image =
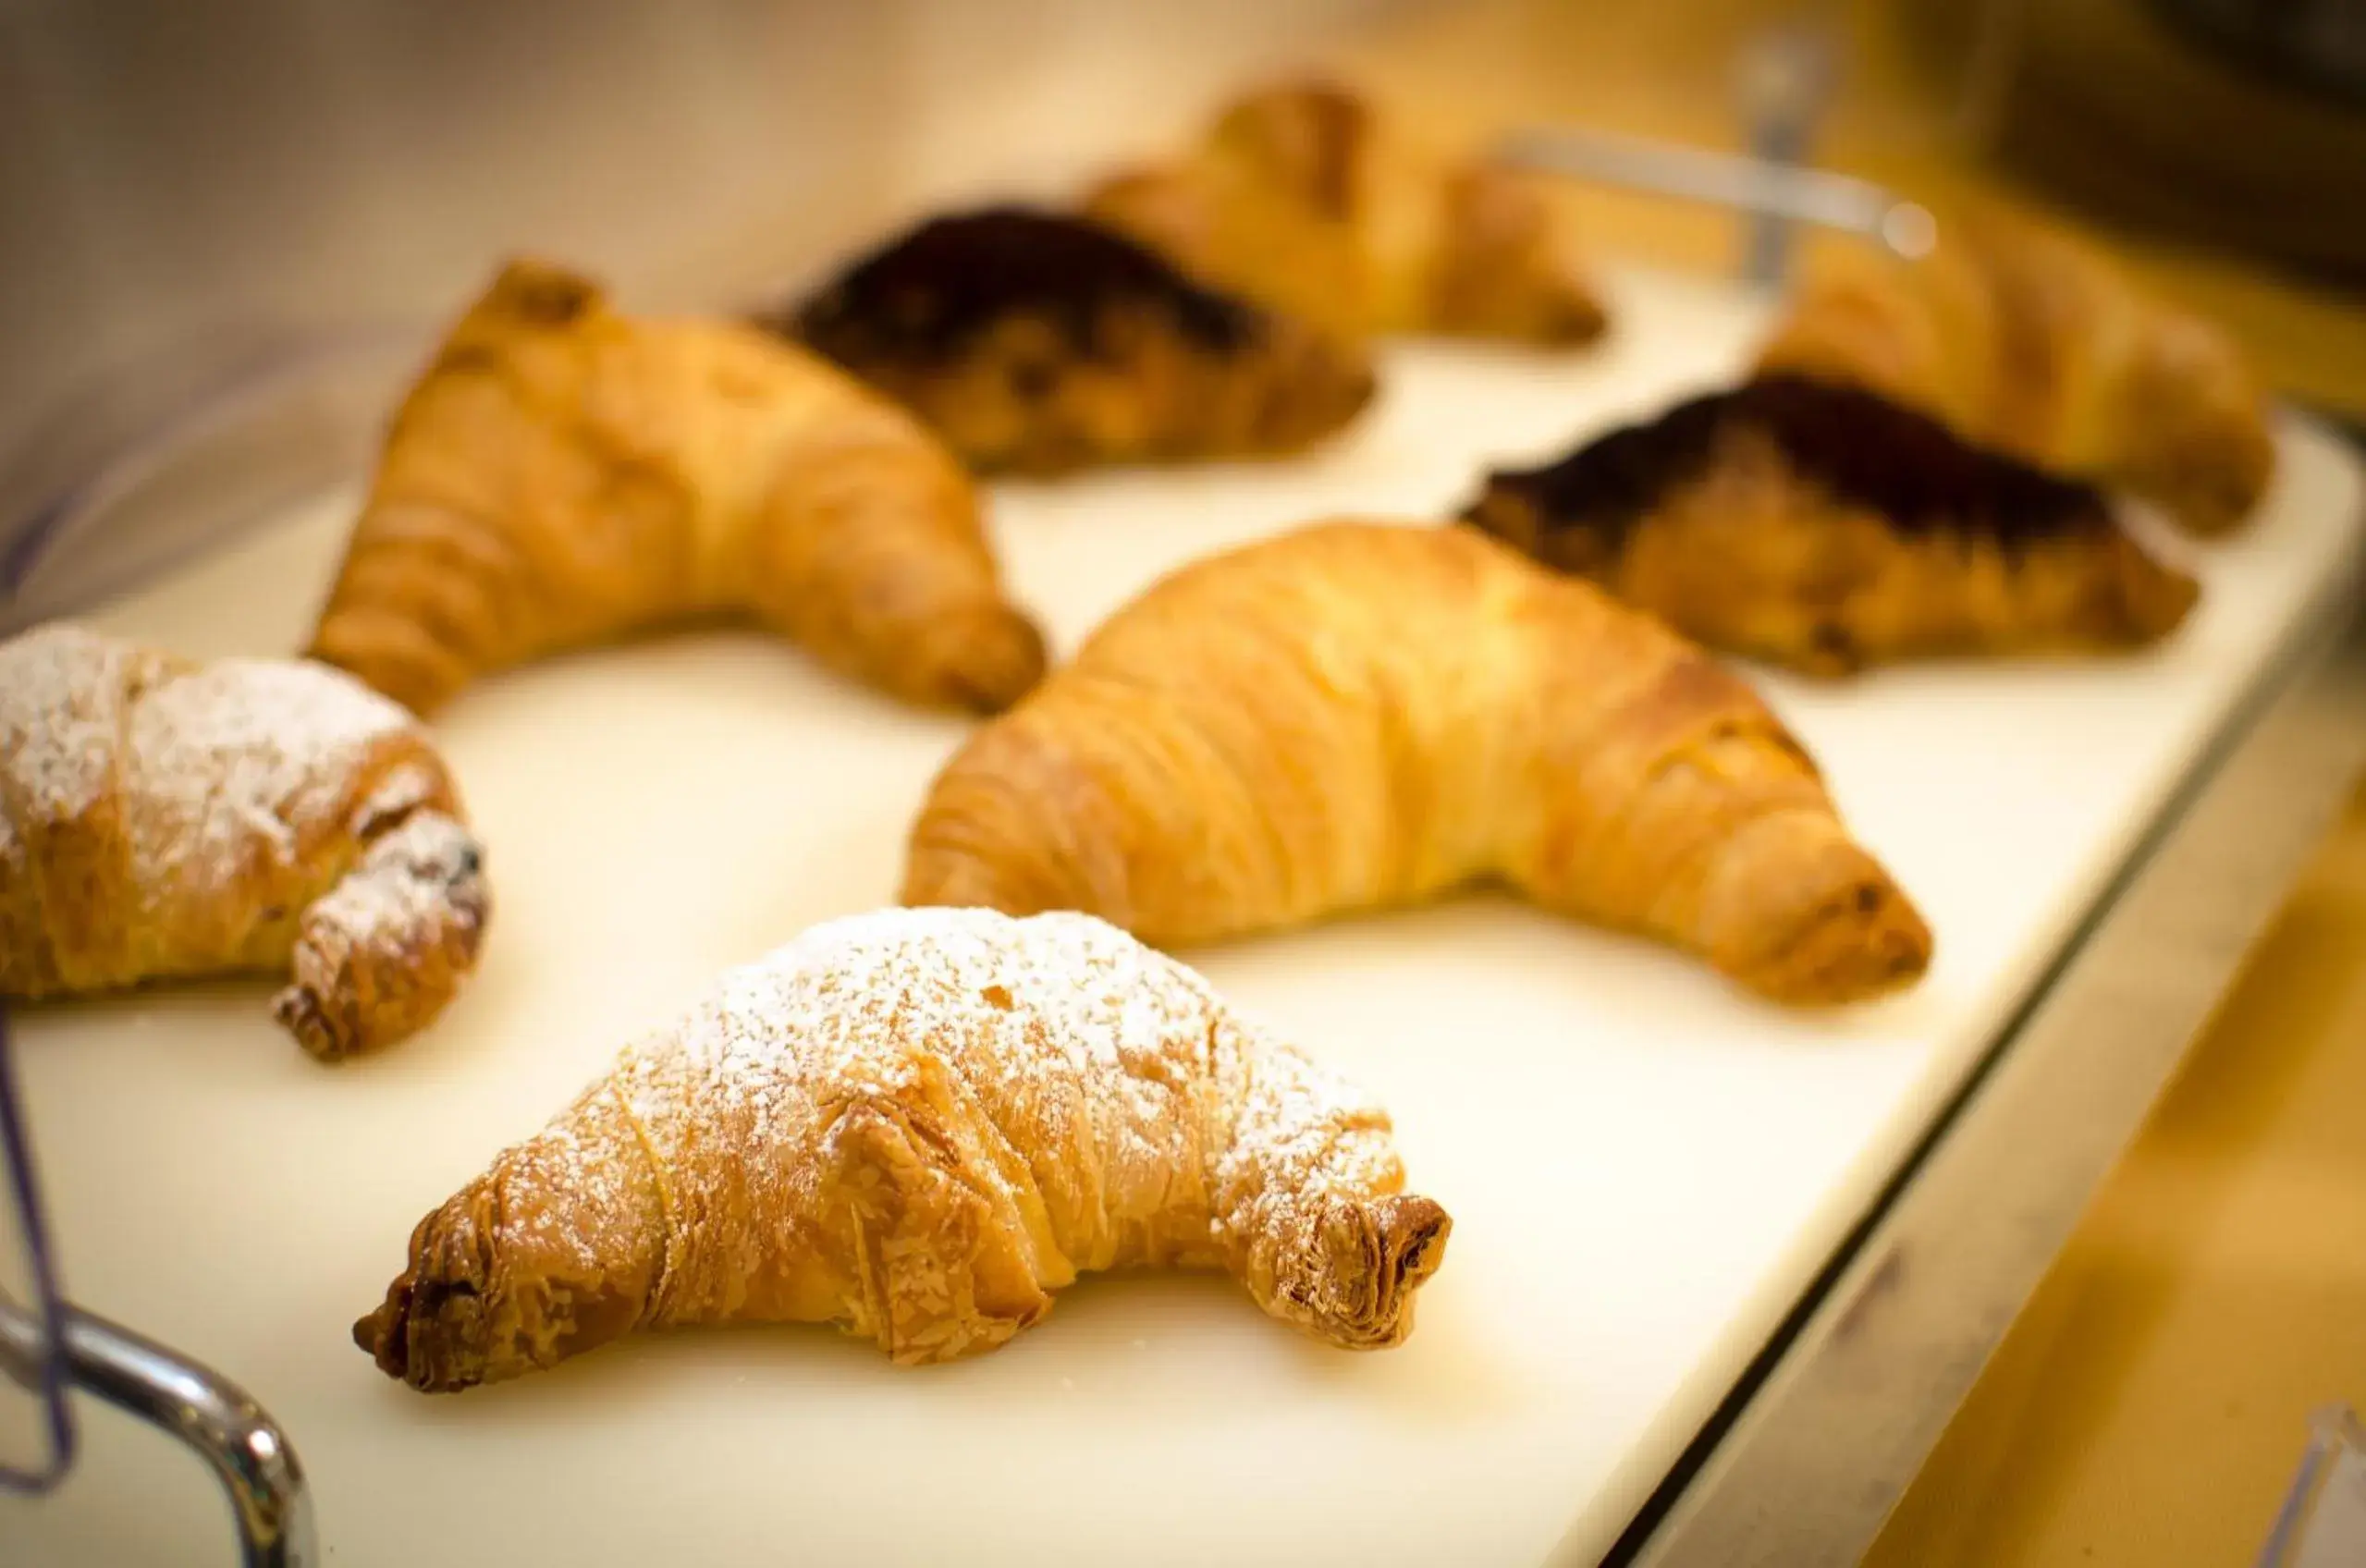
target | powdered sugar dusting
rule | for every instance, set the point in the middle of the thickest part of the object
(1069, 1038)
(404, 884)
(63, 690)
(192, 813)
(1079, 1074)
(919, 1124)
(228, 757)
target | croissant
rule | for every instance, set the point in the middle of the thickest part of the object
(1361, 715)
(1039, 343)
(2024, 338)
(163, 819)
(1301, 195)
(918, 1125)
(565, 475)
(1825, 528)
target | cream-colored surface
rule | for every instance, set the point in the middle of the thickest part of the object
(1642, 1164)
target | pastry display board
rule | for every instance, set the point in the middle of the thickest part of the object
(1644, 1165)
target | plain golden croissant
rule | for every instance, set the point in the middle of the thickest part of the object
(2023, 338)
(1362, 714)
(566, 475)
(1827, 528)
(160, 818)
(918, 1125)
(1303, 196)
(1038, 343)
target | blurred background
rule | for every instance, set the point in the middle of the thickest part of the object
(168, 169)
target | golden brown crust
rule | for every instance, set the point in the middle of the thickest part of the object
(565, 475)
(1304, 197)
(1038, 343)
(1360, 715)
(161, 819)
(920, 1125)
(1825, 528)
(2021, 338)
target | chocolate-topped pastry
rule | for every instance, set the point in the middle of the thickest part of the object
(1825, 527)
(1039, 343)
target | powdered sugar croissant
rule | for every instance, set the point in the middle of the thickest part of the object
(565, 474)
(919, 1126)
(1361, 715)
(163, 819)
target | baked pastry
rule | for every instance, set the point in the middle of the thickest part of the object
(1360, 715)
(1037, 343)
(1303, 196)
(1826, 528)
(2023, 338)
(163, 819)
(566, 475)
(918, 1126)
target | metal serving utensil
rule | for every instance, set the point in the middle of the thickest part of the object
(1785, 79)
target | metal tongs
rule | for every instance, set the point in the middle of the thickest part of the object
(1786, 78)
(51, 1348)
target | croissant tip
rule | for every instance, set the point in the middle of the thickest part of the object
(1864, 941)
(1003, 660)
(378, 1333)
(297, 1010)
(1420, 1227)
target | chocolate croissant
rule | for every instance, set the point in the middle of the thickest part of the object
(1305, 197)
(918, 1126)
(566, 475)
(1037, 343)
(2022, 338)
(161, 819)
(1826, 528)
(1359, 715)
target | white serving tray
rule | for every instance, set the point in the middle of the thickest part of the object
(1644, 1165)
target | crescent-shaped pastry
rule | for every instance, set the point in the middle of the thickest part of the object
(1303, 195)
(2021, 337)
(1038, 343)
(919, 1125)
(1360, 715)
(1826, 528)
(565, 475)
(163, 819)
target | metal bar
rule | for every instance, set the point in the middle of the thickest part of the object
(1786, 78)
(214, 1417)
(30, 1352)
(1750, 185)
(1807, 1459)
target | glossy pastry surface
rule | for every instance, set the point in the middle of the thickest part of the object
(1362, 714)
(565, 474)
